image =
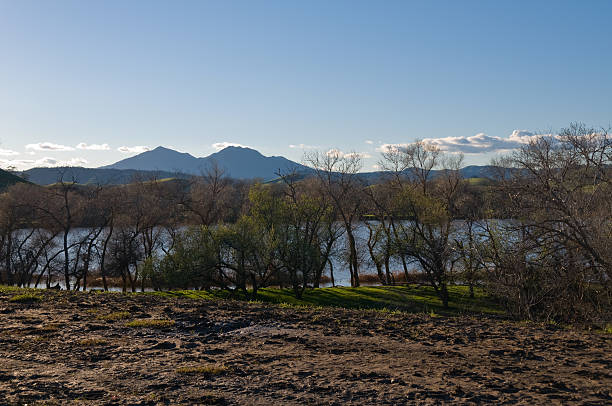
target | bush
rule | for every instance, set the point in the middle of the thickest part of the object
(26, 298)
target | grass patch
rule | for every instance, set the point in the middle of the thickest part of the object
(115, 316)
(410, 299)
(51, 327)
(151, 323)
(206, 370)
(92, 342)
(26, 298)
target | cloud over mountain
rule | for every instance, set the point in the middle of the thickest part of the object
(222, 145)
(334, 152)
(475, 144)
(302, 146)
(137, 149)
(482, 143)
(8, 152)
(93, 147)
(48, 146)
(46, 162)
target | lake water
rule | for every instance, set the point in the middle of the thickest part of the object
(340, 266)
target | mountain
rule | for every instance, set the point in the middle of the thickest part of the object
(93, 176)
(161, 163)
(8, 179)
(237, 162)
(160, 159)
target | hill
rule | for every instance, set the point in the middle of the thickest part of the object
(8, 179)
(94, 176)
(238, 163)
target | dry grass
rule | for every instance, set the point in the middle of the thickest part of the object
(92, 342)
(115, 316)
(151, 323)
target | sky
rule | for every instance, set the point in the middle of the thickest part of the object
(88, 83)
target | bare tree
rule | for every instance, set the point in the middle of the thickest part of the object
(338, 179)
(428, 203)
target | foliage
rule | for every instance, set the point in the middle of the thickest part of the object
(26, 298)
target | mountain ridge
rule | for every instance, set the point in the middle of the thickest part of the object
(237, 162)
(162, 162)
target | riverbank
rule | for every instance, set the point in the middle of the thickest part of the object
(64, 347)
(407, 298)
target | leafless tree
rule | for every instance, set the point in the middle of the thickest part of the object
(338, 179)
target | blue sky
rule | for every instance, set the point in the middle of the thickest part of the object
(82, 80)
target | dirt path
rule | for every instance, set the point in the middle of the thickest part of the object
(68, 348)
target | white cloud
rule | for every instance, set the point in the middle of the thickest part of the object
(369, 142)
(48, 146)
(52, 162)
(137, 149)
(8, 152)
(482, 143)
(362, 155)
(221, 145)
(302, 146)
(339, 154)
(475, 144)
(18, 164)
(46, 162)
(391, 147)
(93, 147)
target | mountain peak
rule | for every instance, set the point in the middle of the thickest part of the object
(238, 162)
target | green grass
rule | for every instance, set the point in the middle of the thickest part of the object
(412, 299)
(409, 299)
(151, 323)
(479, 181)
(26, 298)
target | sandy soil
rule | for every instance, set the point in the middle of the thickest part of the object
(62, 350)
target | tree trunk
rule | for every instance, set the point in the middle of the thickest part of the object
(444, 294)
(66, 260)
(353, 258)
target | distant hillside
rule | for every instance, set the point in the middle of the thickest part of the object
(161, 163)
(160, 159)
(238, 163)
(468, 172)
(94, 176)
(8, 179)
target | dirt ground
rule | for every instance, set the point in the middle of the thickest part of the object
(79, 348)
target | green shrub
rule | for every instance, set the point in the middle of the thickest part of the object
(26, 298)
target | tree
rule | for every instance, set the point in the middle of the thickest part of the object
(338, 179)
(558, 188)
(428, 203)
